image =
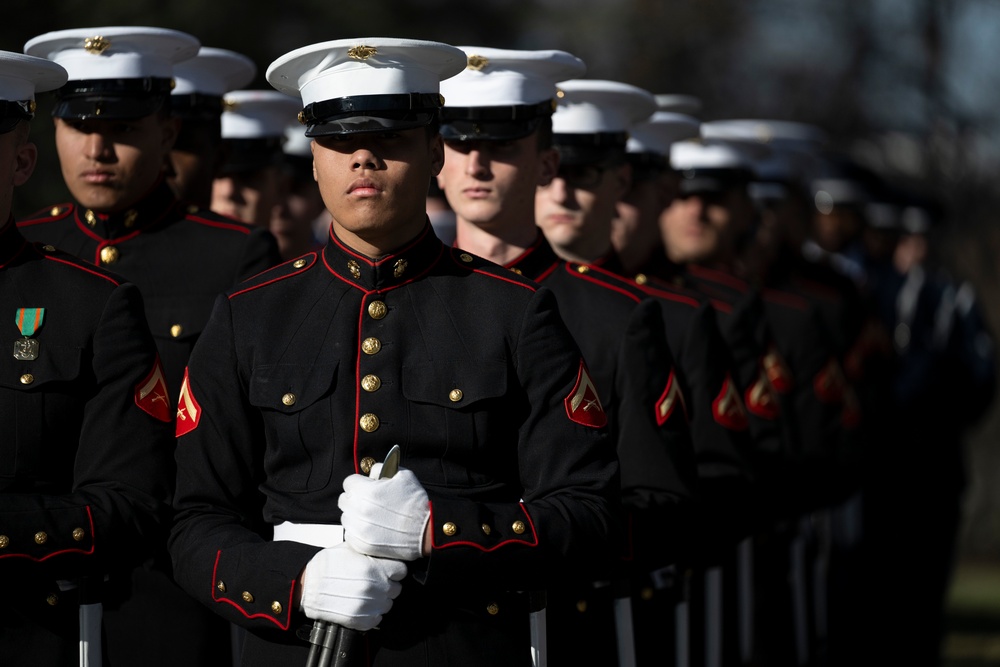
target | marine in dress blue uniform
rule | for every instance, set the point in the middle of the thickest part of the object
(114, 132)
(85, 447)
(498, 148)
(197, 100)
(308, 374)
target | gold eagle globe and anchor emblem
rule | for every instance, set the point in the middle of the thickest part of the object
(477, 63)
(361, 52)
(96, 45)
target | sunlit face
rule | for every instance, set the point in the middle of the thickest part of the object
(375, 185)
(109, 165)
(575, 210)
(703, 227)
(249, 196)
(486, 180)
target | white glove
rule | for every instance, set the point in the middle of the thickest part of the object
(350, 589)
(385, 517)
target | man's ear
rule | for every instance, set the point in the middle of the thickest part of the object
(25, 159)
(548, 162)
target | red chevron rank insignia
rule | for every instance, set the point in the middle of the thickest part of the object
(727, 408)
(583, 405)
(671, 398)
(777, 371)
(761, 398)
(188, 410)
(151, 394)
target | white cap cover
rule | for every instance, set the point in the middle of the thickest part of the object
(256, 114)
(213, 72)
(590, 105)
(115, 52)
(660, 132)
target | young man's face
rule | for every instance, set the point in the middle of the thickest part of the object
(575, 210)
(634, 230)
(702, 226)
(375, 185)
(109, 165)
(247, 195)
(484, 179)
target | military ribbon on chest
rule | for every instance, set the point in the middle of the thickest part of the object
(28, 321)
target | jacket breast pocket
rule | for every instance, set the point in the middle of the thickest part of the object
(296, 402)
(462, 425)
(43, 412)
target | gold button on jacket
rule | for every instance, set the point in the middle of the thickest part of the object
(371, 383)
(366, 464)
(369, 422)
(110, 254)
(449, 528)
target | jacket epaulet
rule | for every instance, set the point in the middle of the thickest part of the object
(211, 219)
(48, 214)
(53, 254)
(290, 269)
(483, 266)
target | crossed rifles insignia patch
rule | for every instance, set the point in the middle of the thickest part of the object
(583, 405)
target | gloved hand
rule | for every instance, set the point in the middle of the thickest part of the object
(385, 517)
(350, 589)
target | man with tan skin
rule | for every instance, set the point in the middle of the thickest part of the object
(576, 217)
(635, 232)
(197, 156)
(297, 220)
(87, 442)
(249, 184)
(114, 133)
(309, 374)
(497, 129)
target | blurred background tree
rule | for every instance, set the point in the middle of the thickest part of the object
(909, 87)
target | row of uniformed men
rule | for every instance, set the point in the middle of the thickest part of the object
(683, 409)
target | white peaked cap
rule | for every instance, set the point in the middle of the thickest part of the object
(213, 72)
(779, 134)
(256, 114)
(591, 105)
(660, 132)
(714, 155)
(22, 76)
(116, 52)
(506, 77)
(365, 66)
